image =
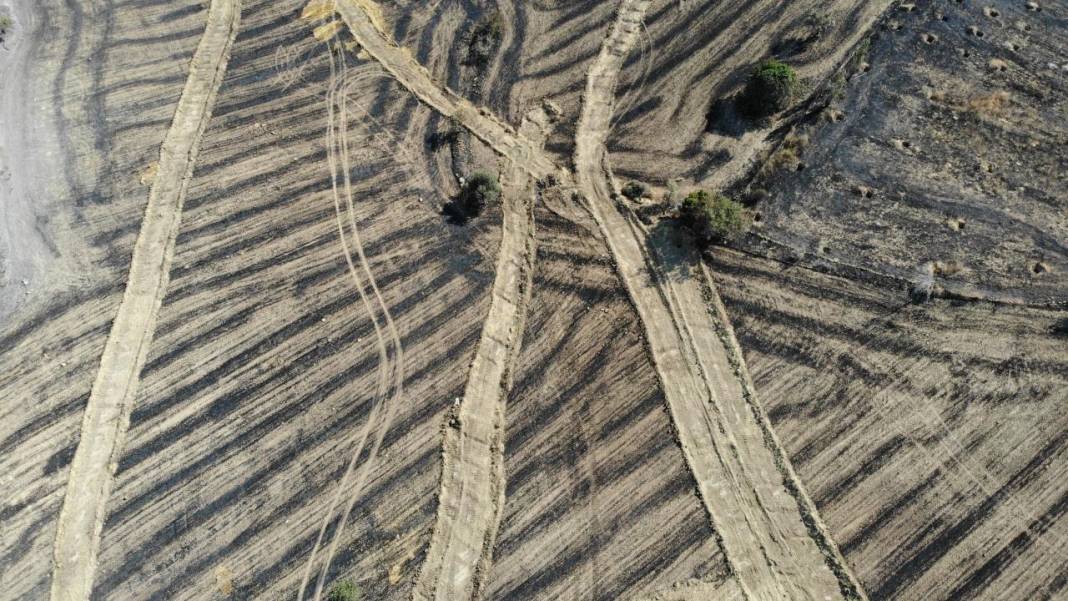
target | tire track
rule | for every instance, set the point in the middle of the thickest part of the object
(473, 481)
(114, 390)
(389, 364)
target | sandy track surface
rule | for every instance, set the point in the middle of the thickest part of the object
(111, 400)
(601, 505)
(472, 490)
(760, 524)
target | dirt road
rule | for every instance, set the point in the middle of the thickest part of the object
(114, 390)
(762, 528)
(746, 487)
(472, 487)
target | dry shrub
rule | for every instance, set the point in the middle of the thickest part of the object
(789, 152)
(989, 104)
(947, 268)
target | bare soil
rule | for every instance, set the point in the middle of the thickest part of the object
(861, 398)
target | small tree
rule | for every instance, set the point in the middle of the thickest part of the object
(769, 90)
(344, 591)
(635, 190)
(713, 217)
(479, 190)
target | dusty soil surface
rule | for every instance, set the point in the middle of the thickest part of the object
(290, 385)
(344, 384)
(25, 169)
(675, 121)
(600, 503)
(114, 390)
(931, 437)
(123, 102)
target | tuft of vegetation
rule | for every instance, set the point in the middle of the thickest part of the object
(479, 190)
(635, 190)
(770, 89)
(713, 218)
(6, 23)
(344, 591)
(484, 40)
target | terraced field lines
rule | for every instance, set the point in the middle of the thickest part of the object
(107, 414)
(761, 527)
(473, 481)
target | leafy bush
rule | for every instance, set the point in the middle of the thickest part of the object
(344, 591)
(713, 217)
(480, 189)
(635, 190)
(769, 90)
(5, 23)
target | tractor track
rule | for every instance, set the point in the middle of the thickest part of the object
(473, 480)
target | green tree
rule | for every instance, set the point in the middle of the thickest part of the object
(479, 189)
(344, 591)
(769, 90)
(713, 217)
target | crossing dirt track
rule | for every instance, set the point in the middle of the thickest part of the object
(249, 351)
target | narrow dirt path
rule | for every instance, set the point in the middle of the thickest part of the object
(108, 412)
(472, 483)
(741, 479)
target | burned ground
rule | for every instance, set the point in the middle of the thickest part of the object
(938, 152)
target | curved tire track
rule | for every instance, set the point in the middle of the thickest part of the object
(107, 414)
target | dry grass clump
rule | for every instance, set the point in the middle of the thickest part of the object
(989, 104)
(788, 155)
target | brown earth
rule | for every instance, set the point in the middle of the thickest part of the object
(340, 380)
